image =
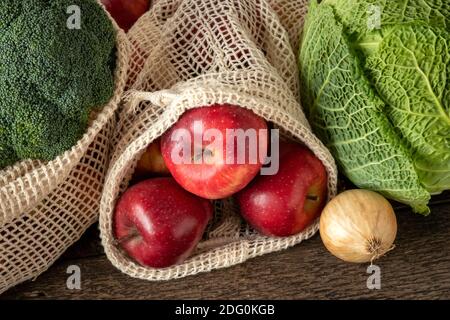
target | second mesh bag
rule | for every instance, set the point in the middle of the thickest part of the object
(190, 53)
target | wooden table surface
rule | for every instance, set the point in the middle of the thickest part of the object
(418, 268)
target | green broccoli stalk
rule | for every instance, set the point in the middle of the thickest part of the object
(51, 77)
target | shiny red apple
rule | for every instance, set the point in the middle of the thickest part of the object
(126, 12)
(158, 223)
(286, 203)
(207, 153)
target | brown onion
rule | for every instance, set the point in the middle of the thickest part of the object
(358, 226)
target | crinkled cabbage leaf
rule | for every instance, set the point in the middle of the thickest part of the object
(378, 94)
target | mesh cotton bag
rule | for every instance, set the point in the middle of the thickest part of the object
(46, 206)
(190, 53)
(292, 15)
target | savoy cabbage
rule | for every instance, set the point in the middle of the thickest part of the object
(379, 94)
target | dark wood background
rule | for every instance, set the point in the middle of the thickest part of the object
(418, 268)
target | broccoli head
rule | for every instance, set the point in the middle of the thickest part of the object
(7, 153)
(41, 131)
(51, 76)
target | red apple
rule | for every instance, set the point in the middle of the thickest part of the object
(151, 162)
(215, 167)
(126, 12)
(286, 203)
(158, 223)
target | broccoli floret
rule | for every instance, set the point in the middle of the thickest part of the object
(34, 132)
(7, 154)
(51, 77)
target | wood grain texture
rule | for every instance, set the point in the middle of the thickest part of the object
(418, 268)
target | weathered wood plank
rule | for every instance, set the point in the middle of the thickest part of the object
(419, 267)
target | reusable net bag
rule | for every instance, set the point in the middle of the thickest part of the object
(292, 15)
(189, 53)
(46, 206)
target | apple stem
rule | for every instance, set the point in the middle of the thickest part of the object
(311, 197)
(201, 155)
(127, 237)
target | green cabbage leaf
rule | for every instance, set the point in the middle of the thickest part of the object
(379, 97)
